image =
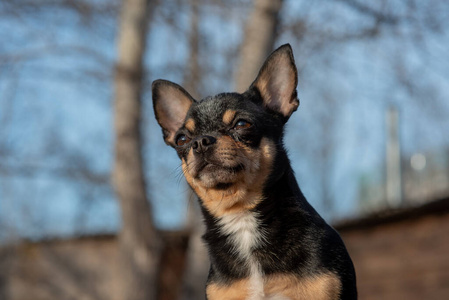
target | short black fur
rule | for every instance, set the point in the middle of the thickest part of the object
(297, 240)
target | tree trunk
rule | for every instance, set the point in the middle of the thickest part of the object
(197, 264)
(138, 239)
(192, 75)
(260, 34)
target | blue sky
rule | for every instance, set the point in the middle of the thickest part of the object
(53, 114)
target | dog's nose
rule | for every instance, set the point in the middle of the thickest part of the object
(202, 143)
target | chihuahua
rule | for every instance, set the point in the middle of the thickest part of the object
(265, 240)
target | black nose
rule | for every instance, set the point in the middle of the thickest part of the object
(202, 143)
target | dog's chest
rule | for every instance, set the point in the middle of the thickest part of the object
(245, 234)
(243, 231)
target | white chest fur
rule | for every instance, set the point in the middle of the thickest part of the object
(245, 234)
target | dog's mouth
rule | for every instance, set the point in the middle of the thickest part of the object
(213, 167)
(218, 176)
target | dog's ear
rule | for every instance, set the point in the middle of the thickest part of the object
(171, 104)
(277, 81)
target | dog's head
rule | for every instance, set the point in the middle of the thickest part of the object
(228, 143)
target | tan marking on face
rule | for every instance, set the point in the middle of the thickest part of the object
(326, 286)
(228, 116)
(190, 125)
(246, 191)
(235, 291)
(186, 165)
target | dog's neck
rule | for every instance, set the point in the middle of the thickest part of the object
(233, 238)
(281, 190)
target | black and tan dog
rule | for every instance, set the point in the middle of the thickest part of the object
(265, 241)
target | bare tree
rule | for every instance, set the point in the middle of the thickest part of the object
(192, 76)
(138, 238)
(260, 34)
(197, 265)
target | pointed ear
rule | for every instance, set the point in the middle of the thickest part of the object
(277, 81)
(171, 104)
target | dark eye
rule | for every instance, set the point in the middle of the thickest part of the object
(242, 124)
(182, 139)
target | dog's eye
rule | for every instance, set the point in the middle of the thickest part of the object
(182, 139)
(242, 124)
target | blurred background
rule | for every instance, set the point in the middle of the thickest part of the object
(93, 204)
